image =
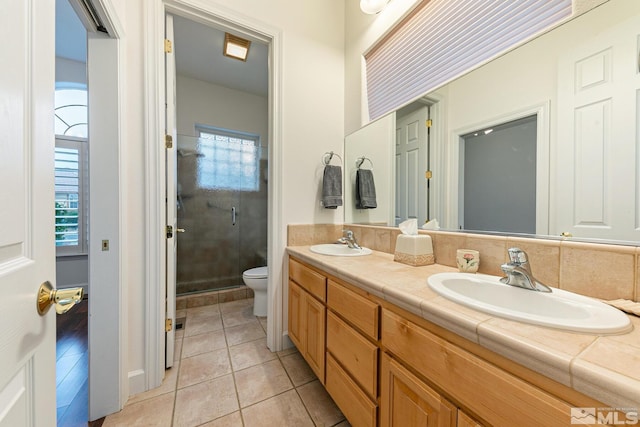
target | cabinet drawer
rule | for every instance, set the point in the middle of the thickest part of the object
(495, 395)
(358, 356)
(356, 309)
(312, 281)
(353, 403)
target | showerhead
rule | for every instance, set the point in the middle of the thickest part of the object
(189, 153)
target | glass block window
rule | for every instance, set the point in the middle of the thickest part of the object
(228, 160)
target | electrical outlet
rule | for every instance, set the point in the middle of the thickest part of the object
(105, 245)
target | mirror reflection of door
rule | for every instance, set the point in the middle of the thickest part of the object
(411, 165)
(498, 178)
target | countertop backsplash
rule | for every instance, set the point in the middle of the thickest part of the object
(598, 270)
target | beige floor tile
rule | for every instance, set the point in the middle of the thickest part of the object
(250, 354)
(284, 410)
(345, 423)
(203, 311)
(200, 325)
(238, 317)
(231, 420)
(203, 343)
(228, 307)
(177, 348)
(244, 333)
(203, 367)
(205, 402)
(263, 323)
(321, 407)
(287, 351)
(261, 382)
(298, 369)
(168, 385)
(156, 411)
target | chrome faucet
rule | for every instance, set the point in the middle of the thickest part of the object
(349, 239)
(518, 272)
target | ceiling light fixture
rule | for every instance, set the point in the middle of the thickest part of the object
(372, 7)
(236, 47)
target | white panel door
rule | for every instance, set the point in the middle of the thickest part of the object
(27, 251)
(172, 192)
(411, 165)
(597, 155)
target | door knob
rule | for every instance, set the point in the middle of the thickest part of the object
(63, 299)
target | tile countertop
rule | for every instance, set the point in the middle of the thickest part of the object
(607, 368)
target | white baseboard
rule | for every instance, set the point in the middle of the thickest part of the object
(286, 341)
(137, 382)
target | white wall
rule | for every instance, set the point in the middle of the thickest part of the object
(199, 102)
(312, 123)
(372, 142)
(68, 70)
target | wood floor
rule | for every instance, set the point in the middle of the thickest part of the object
(72, 368)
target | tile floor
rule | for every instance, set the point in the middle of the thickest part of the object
(224, 375)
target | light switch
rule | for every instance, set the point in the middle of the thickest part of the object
(105, 245)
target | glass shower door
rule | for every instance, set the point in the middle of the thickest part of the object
(216, 174)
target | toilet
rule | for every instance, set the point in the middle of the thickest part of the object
(256, 279)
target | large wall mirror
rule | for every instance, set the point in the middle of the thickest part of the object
(542, 140)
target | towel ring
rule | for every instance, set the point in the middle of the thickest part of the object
(326, 158)
(361, 160)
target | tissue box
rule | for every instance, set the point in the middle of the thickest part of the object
(414, 250)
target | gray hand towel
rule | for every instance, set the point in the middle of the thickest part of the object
(365, 190)
(332, 187)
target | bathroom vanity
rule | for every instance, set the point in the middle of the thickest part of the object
(390, 351)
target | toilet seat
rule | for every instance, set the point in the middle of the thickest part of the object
(256, 273)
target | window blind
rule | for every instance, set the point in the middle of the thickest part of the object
(443, 39)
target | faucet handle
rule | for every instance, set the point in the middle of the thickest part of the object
(517, 256)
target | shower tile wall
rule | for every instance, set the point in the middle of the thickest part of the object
(212, 253)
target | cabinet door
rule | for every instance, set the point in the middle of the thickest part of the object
(315, 319)
(296, 319)
(407, 401)
(465, 420)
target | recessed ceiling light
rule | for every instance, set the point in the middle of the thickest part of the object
(371, 7)
(236, 47)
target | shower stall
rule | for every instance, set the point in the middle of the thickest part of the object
(222, 205)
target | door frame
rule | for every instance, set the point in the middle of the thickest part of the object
(211, 14)
(454, 159)
(108, 385)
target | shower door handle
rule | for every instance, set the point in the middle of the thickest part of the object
(233, 215)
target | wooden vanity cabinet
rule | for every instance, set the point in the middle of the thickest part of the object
(352, 353)
(465, 420)
(384, 369)
(407, 401)
(307, 315)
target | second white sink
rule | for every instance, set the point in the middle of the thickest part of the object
(558, 309)
(338, 249)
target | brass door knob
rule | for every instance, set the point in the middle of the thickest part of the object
(63, 299)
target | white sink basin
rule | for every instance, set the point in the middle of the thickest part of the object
(338, 249)
(558, 309)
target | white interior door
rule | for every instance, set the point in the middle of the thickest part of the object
(27, 251)
(411, 165)
(596, 189)
(172, 194)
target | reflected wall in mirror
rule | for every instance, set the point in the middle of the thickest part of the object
(581, 82)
